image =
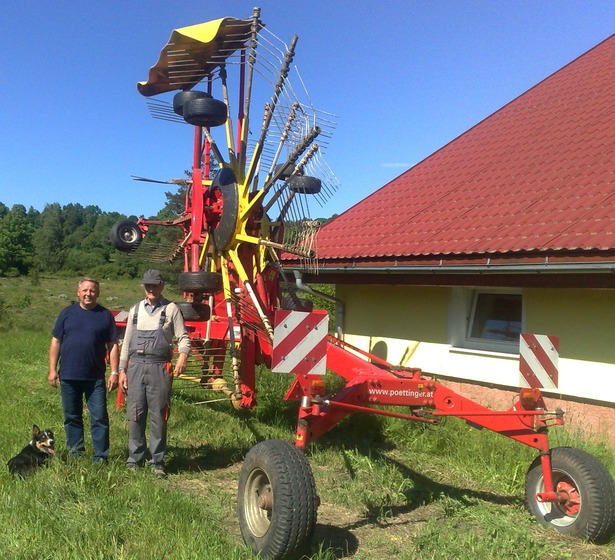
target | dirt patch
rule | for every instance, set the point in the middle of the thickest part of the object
(348, 534)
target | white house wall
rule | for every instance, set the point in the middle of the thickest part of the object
(411, 326)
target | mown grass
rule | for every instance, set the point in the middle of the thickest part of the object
(387, 487)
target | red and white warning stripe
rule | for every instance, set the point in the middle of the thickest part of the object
(538, 361)
(300, 342)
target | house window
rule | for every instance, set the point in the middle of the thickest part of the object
(486, 319)
(495, 317)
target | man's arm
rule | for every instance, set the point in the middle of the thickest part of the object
(114, 360)
(54, 356)
(123, 361)
(183, 341)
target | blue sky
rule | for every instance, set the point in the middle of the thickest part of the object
(403, 77)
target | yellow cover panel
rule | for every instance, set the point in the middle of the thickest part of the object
(193, 52)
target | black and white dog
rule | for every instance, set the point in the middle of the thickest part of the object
(40, 449)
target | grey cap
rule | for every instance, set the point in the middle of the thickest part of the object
(152, 276)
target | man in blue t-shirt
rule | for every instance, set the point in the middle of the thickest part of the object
(81, 338)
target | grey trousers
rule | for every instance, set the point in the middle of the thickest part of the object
(149, 390)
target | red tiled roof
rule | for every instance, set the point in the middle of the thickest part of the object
(537, 176)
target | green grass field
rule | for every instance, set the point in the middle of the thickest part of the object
(387, 487)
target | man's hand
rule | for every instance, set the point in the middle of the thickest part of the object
(112, 383)
(53, 378)
(180, 364)
(123, 381)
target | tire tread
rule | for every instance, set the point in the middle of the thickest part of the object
(596, 519)
(294, 492)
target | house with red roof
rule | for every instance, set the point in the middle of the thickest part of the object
(508, 229)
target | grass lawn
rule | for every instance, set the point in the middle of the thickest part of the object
(387, 488)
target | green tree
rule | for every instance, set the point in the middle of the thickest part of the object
(48, 240)
(34, 217)
(15, 242)
(72, 218)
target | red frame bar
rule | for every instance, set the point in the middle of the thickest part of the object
(373, 382)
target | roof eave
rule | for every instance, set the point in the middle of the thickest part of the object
(543, 272)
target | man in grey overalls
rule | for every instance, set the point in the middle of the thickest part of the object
(145, 370)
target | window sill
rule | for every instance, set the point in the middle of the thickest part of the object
(490, 353)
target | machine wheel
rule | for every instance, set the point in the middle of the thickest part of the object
(205, 111)
(589, 512)
(200, 282)
(286, 170)
(183, 97)
(224, 195)
(126, 235)
(277, 500)
(305, 185)
(194, 311)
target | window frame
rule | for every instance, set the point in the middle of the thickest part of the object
(463, 315)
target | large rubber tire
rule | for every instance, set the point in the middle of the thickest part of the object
(181, 98)
(305, 185)
(224, 189)
(277, 501)
(201, 282)
(590, 513)
(194, 311)
(126, 235)
(286, 170)
(206, 112)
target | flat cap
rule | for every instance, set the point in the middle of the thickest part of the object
(152, 276)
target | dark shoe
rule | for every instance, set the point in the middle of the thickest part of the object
(159, 471)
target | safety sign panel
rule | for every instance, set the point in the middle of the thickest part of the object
(300, 342)
(538, 360)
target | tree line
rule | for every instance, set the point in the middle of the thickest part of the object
(73, 240)
(66, 240)
(69, 239)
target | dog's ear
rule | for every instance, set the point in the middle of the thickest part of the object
(35, 430)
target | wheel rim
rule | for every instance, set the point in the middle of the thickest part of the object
(572, 505)
(259, 503)
(128, 235)
(561, 514)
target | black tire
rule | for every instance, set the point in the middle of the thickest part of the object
(181, 98)
(224, 188)
(206, 112)
(305, 185)
(126, 235)
(285, 170)
(194, 311)
(201, 282)
(295, 303)
(590, 514)
(277, 501)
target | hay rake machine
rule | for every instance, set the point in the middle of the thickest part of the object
(246, 204)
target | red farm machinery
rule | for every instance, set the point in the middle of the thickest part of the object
(246, 206)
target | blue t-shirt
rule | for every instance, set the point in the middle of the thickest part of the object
(84, 334)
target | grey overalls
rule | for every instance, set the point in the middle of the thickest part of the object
(149, 388)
